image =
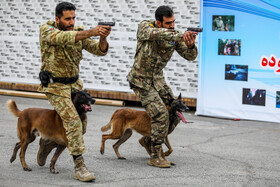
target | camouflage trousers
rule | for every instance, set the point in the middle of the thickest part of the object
(72, 124)
(155, 105)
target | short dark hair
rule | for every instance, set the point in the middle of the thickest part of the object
(62, 7)
(163, 11)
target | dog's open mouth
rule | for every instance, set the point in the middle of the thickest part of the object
(180, 115)
(87, 107)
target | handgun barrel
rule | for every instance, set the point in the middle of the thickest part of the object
(195, 29)
(107, 23)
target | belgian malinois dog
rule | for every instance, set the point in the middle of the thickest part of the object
(34, 122)
(123, 121)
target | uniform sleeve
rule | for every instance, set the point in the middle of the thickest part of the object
(146, 31)
(92, 46)
(54, 36)
(185, 52)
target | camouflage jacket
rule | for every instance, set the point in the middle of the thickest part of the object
(219, 24)
(155, 47)
(61, 55)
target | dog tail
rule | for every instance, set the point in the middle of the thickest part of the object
(106, 127)
(13, 107)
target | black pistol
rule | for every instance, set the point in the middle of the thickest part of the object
(195, 29)
(107, 23)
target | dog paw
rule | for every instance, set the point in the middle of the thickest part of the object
(12, 159)
(172, 163)
(122, 158)
(54, 171)
(167, 153)
(101, 151)
(27, 169)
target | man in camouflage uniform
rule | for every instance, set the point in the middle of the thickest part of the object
(219, 24)
(61, 51)
(156, 43)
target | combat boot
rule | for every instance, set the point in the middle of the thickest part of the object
(146, 143)
(156, 158)
(46, 146)
(81, 171)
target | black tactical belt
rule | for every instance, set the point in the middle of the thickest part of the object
(65, 80)
(46, 78)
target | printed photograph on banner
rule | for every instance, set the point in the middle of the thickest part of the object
(253, 96)
(223, 23)
(236, 72)
(230, 47)
(278, 99)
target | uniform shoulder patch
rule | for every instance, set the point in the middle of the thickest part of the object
(152, 25)
(171, 43)
(51, 27)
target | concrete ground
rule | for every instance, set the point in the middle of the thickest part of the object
(208, 152)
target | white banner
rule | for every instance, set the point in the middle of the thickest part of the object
(239, 65)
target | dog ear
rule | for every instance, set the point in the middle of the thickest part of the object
(180, 96)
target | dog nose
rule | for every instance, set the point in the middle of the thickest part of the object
(92, 101)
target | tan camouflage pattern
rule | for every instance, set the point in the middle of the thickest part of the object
(155, 47)
(71, 122)
(155, 105)
(61, 55)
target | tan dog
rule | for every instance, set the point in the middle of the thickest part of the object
(35, 121)
(123, 121)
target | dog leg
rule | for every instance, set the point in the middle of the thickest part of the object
(59, 150)
(145, 141)
(102, 148)
(167, 143)
(46, 146)
(170, 150)
(127, 133)
(17, 146)
(24, 146)
(104, 138)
